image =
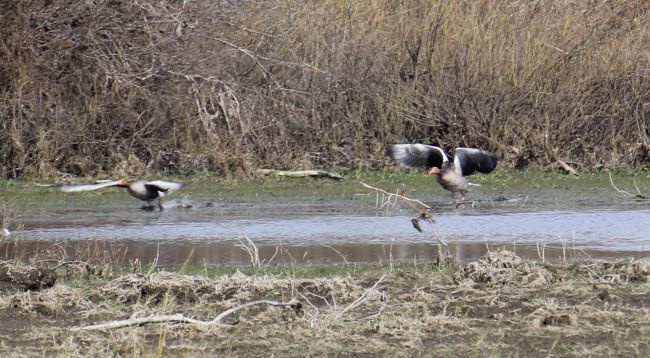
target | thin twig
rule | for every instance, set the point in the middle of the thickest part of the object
(395, 195)
(441, 241)
(623, 192)
(293, 303)
(345, 259)
(361, 299)
(639, 193)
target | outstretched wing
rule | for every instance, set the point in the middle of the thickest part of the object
(468, 161)
(71, 188)
(163, 187)
(417, 155)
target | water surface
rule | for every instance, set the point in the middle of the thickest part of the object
(318, 225)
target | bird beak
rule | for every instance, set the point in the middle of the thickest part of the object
(434, 170)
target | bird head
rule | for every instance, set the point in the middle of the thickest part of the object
(122, 183)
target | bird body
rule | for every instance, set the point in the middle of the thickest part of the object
(451, 176)
(450, 180)
(145, 191)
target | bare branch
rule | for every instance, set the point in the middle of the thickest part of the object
(179, 318)
(395, 195)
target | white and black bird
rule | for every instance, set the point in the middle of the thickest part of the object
(145, 191)
(450, 176)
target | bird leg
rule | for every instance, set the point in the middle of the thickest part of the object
(148, 207)
(160, 198)
(460, 201)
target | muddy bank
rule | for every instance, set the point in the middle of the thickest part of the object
(501, 304)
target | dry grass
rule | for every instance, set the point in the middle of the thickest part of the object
(409, 310)
(182, 87)
(503, 267)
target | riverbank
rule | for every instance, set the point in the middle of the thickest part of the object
(498, 305)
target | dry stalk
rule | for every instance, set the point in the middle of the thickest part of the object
(345, 259)
(541, 251)
(251, 249)
(5, 218)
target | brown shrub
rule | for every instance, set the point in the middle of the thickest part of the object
(183, 87)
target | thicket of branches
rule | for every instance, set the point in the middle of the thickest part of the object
(110, 86)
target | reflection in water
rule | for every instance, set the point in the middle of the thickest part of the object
(176, 254)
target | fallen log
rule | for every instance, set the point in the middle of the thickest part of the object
(566, 167)
(300, 173)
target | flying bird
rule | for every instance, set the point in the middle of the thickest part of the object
(451, 176)
(145, 191)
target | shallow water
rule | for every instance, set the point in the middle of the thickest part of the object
(323, 227)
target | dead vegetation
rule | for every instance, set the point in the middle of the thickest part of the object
(619, 271)
(500, 304)
(21, 276)
(503, 267)
(91, 88)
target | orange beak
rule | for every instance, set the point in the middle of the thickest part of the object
(434, 170)
(122, 183)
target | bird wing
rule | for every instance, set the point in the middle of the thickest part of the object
(417, 155)
(468, 161)
(163, 187)
(70, 188)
